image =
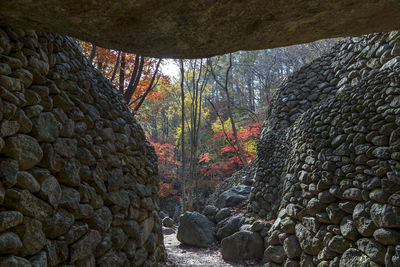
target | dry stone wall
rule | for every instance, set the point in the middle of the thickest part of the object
(340, 193)
(79, 182)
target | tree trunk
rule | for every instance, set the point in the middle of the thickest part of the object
(92, 54)
(183, 137)
(122, 74)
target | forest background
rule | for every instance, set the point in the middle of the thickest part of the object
(203, 116)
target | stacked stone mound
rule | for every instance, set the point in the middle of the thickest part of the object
(340, 193)
(79, 182)
(313, 84)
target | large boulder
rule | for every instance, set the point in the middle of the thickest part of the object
(233, 196)
(196, 230)
(229, 226)
(201, 28)
(242, 245)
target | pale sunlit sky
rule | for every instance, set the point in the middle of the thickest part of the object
(169, 67)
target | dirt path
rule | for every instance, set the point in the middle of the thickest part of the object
(181, 255)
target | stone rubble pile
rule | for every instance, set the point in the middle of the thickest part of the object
(79, 182)
(329, 160)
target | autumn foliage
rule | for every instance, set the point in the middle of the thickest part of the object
(230, 161)
(105, 60)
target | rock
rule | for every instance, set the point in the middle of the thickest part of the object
(210, 210)
(58, 224)
(242, 245)
(70, 198)
(145, 229)
(257, 226)
(113, 258)
(101, 219)
(9, 171)
(24, 149)
(385, 215)
(85, 246)
(308, 242)
(372, 249)
(66, 147)
(118, 237)
(354, 257)
(338, 244)
(131, 228)
(75, 232)
(32, 237)
(229, 227)
(45, 127)
(275, 254)
(40, 259)
(168, 222)
(8, 128)
(14, 261)
(9, 219)
(27, 204)
(50, 189)
(25, 180)
(168, 231)
(195, 229)
(9, 242)
(292, 247)
(387, 236)
(233, 196)
(57, 252)
(348, 229)
(222, 214)
(194, 34)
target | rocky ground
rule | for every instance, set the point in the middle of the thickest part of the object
(182, 255)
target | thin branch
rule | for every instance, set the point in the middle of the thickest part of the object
(115, 67)
(92, 54)
(149, 88)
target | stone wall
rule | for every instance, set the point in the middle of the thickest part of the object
(79, 182)
(340, 192)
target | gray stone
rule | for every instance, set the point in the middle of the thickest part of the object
(145, 229)
(101, 219)
(9, 243)
(387, 236)
(58, 223)
(85, 246)
(9, 171)
(14, 261)
(210, 210)
(228, 227)
(242, 245)
(168, 222)
(348, 229)
(292, 247)
(222, 214)
(275, 254)
(168, 231)
(9, 219)
(24, 149)
(195, 229)
(385, 215)
(27, 204)
(25, 180)
(354, 257)
(39, 260)
(32, 237)
(372, 249)
(233, 196)
(45, 127)
(308, 242)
